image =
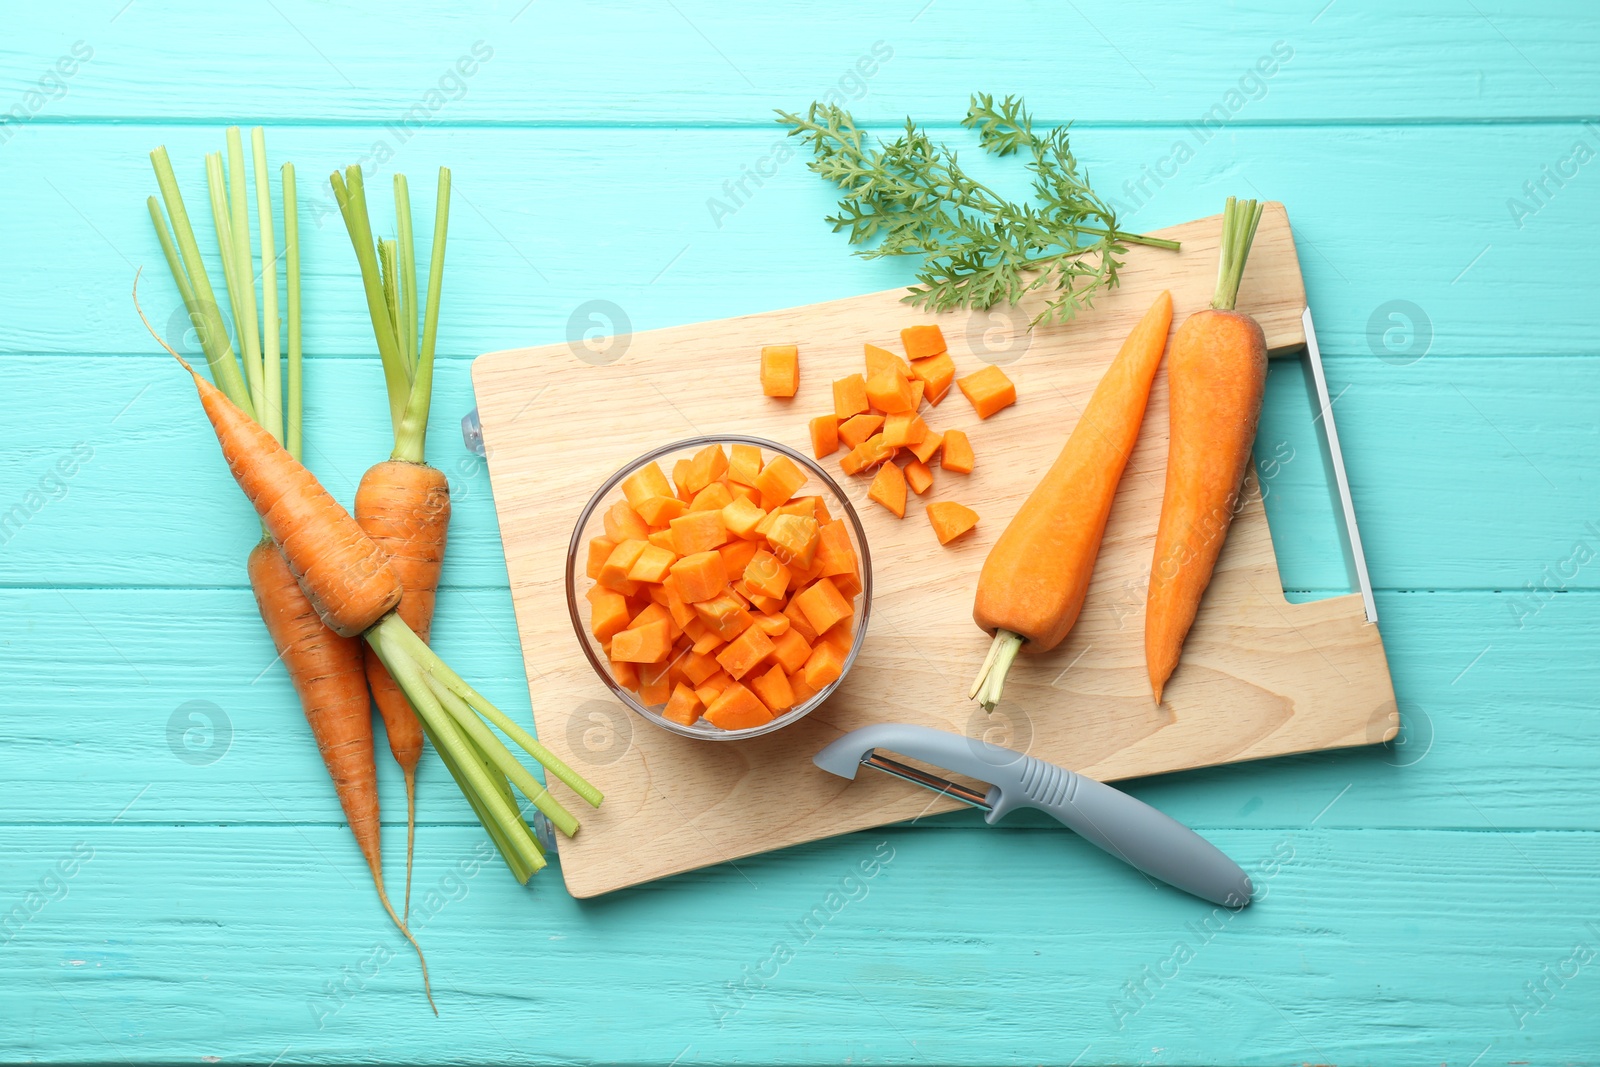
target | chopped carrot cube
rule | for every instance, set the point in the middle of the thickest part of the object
(917, 389)
(655, 683)
(682, 612)
(624, 524)
(700, 576)
(744, 492)
(922, 342)
(823, 668)
(698, 531)
(819, 508)
(741, 655)
(858, 428)
(904, 430)
(880, 359)
(698, 666)
(780, 370)
(790, 649)
(736, 555)
(774, 690)
(660, 510)
(925, 449)
(766, 605)
(779, 480)
(644, 483)
(890, 392)
(614, 572)
(652, 564)
(956, 453)
(802, 691)
(822, 604)
(794, 539)
(599, 550)
(713, 497)
(849, 396)
(774, 623)
(680, 479)
(889, 489)
(708, 642)
(608, 615)
(869, 453)
(989, 390)
(744, 463)
(741, 517)
(736, 708)
(936, 373)
(653, 612)
(824, 435)
(836, 554)
(712, 687)
(683, 707)
(849, 585)
(918, 476)
(662, 538)
(649, 643)
(766, 576)
(724, 616)
(625, 673)
(708, 464)
(950, 520)
(799, 623)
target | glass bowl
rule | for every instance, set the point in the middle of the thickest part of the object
(591, 524)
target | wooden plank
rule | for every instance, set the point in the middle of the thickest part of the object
(536, 208)
(695, 62)
(1262, 677)
(1370, 946)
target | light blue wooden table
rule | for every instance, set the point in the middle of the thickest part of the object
(175, 884)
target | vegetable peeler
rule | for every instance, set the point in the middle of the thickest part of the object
(1124, 826)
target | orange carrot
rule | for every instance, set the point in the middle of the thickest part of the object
(1035, 578)
(1218, 376)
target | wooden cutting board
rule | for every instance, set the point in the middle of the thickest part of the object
(1260, 676)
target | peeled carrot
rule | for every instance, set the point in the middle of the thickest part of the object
(1218, 376)
(1034, 580)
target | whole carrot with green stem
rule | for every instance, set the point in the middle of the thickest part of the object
(325, 668)
(402, 503)
(1218, 377)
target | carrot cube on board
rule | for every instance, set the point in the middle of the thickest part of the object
(608, 615)
(707, 465)
(950, 520)
(741, 655)
(904, 430)
(741, 517)
(822, 604)
(614, 572)
(956, 453)
(794, 540)
(744, 463)
(849, 396)
(736, 556)
(652, 565)
(889, 489)
(925, 449)
(645, 644)
(917, 389)
(918, 476)
(683, 707)
(790, 649)
(858, 428)
(824, 435)
(622, 523)
(660, 510)
(780, 370)
(880, 359)
(724, 616)
(713, 497)
(779, 480)
(698, 531)
(869, 453)
(922, 342)
(989, 390)
(823, 668)
(737, 708)
(774, 690)
(699, 577)
(936, 373)
(644, 483)
(599, 551)
(889, 391)
(766, 576)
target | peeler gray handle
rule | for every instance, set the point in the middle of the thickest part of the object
(1124, 826)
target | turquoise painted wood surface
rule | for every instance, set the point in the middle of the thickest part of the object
(189, 896)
